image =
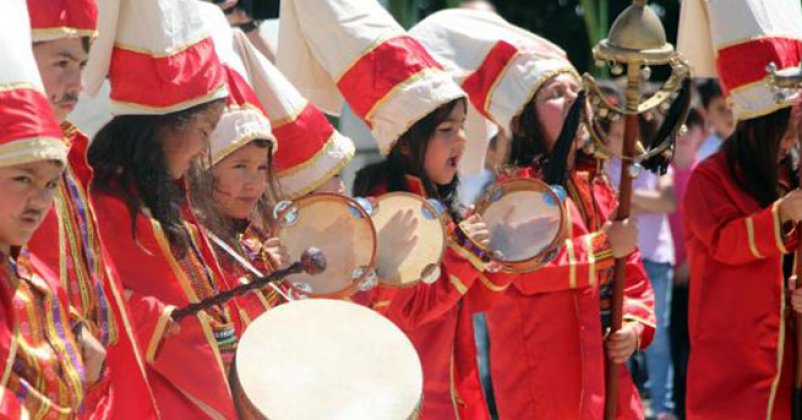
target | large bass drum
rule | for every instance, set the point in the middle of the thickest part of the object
(322, 359)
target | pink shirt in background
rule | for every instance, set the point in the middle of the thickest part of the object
(681, 177)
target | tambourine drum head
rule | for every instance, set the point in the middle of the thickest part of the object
(326, 359)
(407, 253)
(344, 235)
(523, 221)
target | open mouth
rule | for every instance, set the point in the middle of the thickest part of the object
(453, 161)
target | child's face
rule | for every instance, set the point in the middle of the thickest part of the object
(719, 116)
(553, 102)
(27, 194)
(615, 137)
(187, 144)
(334, 185)
(61, 63)
(240, 180)
(446, 147)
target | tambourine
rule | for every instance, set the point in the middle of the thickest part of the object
(411, 237)
(342, 230)
(527, 224)
(325, 359)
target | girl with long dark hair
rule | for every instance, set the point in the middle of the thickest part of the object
(548, 340)
(141, 161)
(742, 206)
(416, 114)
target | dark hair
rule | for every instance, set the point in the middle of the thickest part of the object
(694, 119)
(752, 155)
(128, 161)
(407, 157)
(709, 89)
(86, 42)
(528, 147)
(202, 187)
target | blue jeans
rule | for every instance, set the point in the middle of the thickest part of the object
(658, 354)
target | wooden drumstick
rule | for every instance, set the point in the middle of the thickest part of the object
(244, 263)
(312, 262)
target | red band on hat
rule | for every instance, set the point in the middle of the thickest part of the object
(376, 73)
(240, 92)
(742, 64)
(26, 113)
(480, 82)
(75, 15)
(163, 82)
(301, 139)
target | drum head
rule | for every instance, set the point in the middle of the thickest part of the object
(525, 219)
(326, 359)
(341, 229)
(411, 239)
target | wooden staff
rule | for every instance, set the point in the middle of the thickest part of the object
(632, 95)
(312, 262)
(796, 397)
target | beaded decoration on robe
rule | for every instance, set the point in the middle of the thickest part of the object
(82, 270)
(47, 375)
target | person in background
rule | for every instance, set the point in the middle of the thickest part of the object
(653, 199)
(717, 114)
(684, 162)
(247, 16)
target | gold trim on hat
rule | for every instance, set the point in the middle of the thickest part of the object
(754, 38)
(243, 141)
(19, 85)
(290, 118)
(567, 69)
(18, 152)
(319, 179)
(486, 105)
(400, 87)
(219, 93)
(381, 39)
(170, 52)
(51, 34)
(330, 142)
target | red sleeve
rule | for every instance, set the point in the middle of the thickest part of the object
(719, 225)
(576, 266)
(639, 300)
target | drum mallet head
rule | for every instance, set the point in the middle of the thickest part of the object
(313, 261)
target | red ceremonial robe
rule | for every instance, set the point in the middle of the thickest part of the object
(187, 371)
(547, 352)
(250, 248)
(68, 243)
(437, 318)
(741, 360)
(43, 372)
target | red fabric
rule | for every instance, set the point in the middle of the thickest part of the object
(736, 319)
(161, 82)
(382, 69)
(187, 378)
(124, 389)
(71, 14)
(240, 92)
(301, 139)
(676, 219)
(745, 63)
(437, 319)
(479, 83)
(26, 113)
(547, 354)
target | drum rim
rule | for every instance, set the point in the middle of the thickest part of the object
(308, 199)
(234, 379)
(438, 216)
(519, 184)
